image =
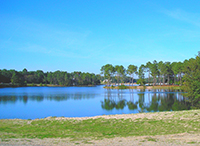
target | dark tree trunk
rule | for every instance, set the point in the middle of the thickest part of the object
(154, 81)
(132, 80)
(174, 79)
(180, 79)
(168, 80)
(160, 80)
(163, 79)
(118, 80)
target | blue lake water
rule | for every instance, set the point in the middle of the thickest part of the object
(41, 102)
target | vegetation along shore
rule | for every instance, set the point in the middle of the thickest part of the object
(167, 128)
(185, 74)
(170, 87)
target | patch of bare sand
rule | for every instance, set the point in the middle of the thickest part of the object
(183, 139)
(155, 115)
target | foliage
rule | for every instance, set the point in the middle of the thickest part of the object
(57, 78)
(141, 79)
(192, 81)
(132, 69)
(120, 72)
(108, 71)
(123, 87)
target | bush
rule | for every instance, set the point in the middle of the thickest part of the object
(123, 87)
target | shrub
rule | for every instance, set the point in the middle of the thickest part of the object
(123, 87)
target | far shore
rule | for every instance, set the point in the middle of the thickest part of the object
(146, 87)
(7, 85)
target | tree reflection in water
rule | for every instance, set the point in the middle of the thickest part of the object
(108, 104)
(157, 100)
(120, 104)
(7, 99)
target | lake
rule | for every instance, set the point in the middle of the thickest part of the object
(41, 102)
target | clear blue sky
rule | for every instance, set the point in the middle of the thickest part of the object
(83, 35)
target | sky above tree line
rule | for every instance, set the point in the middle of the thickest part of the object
(83, 35)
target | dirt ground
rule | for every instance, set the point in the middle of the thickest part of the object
(183, 139)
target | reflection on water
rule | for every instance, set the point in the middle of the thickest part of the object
(12, 99)
(40, 102)
(145, 100)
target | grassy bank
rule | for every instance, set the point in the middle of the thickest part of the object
(171, 87)
(6, 85)
(143, 124)
(9, 85)
(52, 85)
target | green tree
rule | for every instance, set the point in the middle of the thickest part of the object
(108, 71)
(132, 69)
(148, 64)
(141, 80)
(50, 77)
(122, 72)
(163, 70)
(117, 73)
(15, 79)
(39, 76)
(154, 70)
(174, 70)
(3, 77)
(169, 71)
(68, 79)
(192, 81)
(180, 69)
(25, 71)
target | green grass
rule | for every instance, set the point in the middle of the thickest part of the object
(151, 139)
(123, 87)
(167, 87)
(178, 122)
(192, 142)
(178, 88)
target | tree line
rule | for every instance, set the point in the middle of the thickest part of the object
(157, 73)
(57, 78)
(186, 73)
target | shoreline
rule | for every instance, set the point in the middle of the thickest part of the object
(144, 87)
(149, 115)
(105, 87)
(133, 116)
(38, 85)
